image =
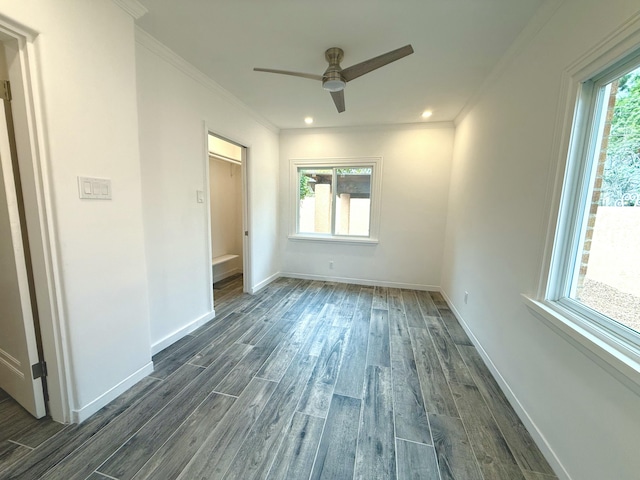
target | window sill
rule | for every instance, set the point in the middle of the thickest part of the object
(334, 239)
(620, 359)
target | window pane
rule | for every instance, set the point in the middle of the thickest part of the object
(353, 201)
(607, 276)
(314, 209)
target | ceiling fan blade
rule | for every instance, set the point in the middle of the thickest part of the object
(293, 74)
(338, 99)
(367, 66)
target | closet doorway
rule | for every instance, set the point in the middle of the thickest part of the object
(228, 215)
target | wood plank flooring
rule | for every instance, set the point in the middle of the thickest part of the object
(305, 380)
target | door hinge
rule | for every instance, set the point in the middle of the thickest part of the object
(39, 370)
(246, 233)
(5, 90)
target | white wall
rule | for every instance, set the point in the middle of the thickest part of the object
(86, 69)
(415, 186)
(175, 102)
(495, 237)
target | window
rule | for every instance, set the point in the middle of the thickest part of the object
(594, 276)
(336, 199)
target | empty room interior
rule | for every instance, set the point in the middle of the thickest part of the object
(364, 239)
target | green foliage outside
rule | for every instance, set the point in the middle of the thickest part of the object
(305, 188)
(621, 177)
(305, 179)
(354, 171)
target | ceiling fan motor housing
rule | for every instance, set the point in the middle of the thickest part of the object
(332, 78)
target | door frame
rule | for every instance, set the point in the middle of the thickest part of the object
(246, 211)
(41, 228)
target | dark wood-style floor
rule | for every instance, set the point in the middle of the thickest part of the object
(304, 380)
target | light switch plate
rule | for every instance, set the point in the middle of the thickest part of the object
(94, 188)
(200, 196)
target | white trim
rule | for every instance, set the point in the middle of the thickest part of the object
(56, 341)
(537, 435)
(206, 186)
(310, 237)
(546, 11)
(574, 120)
(17, 30)
(369, 128)
(245, 148)
(622, 42)
(376, 164)
(621, 360)
(182, 332)
(156, 47)
(260, 285)
(362, 281)
(567, 106)
(79, 416)
(132, 7)
(247, 255)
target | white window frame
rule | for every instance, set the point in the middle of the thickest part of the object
(611, 345)
(375, 163)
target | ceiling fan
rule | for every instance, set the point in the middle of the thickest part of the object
(335, 78)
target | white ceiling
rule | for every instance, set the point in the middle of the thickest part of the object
(457, 43)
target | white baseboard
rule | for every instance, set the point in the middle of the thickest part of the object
(178, 334)
(218, 277)
(79, 416)
(259, 286)
(362, 281)
(524, 416)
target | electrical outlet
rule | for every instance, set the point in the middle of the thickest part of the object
(330, 264)
(466, 297)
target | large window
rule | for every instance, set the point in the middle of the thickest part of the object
(595, 270)
(335, 199)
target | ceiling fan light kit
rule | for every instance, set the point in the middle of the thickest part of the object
(334, 79)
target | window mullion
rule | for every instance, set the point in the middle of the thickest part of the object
(298, 199)
(334, 184)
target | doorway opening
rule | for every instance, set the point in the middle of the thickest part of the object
(23, 279)
(228, 215)
(33, 331)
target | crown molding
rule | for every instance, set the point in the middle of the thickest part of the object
(546, 11)
(10, 27)
(132, 7)
(152, 44)
(444, 125)
(622, 41)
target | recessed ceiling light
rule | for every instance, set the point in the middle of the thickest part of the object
(427, 114)
(308, 120)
